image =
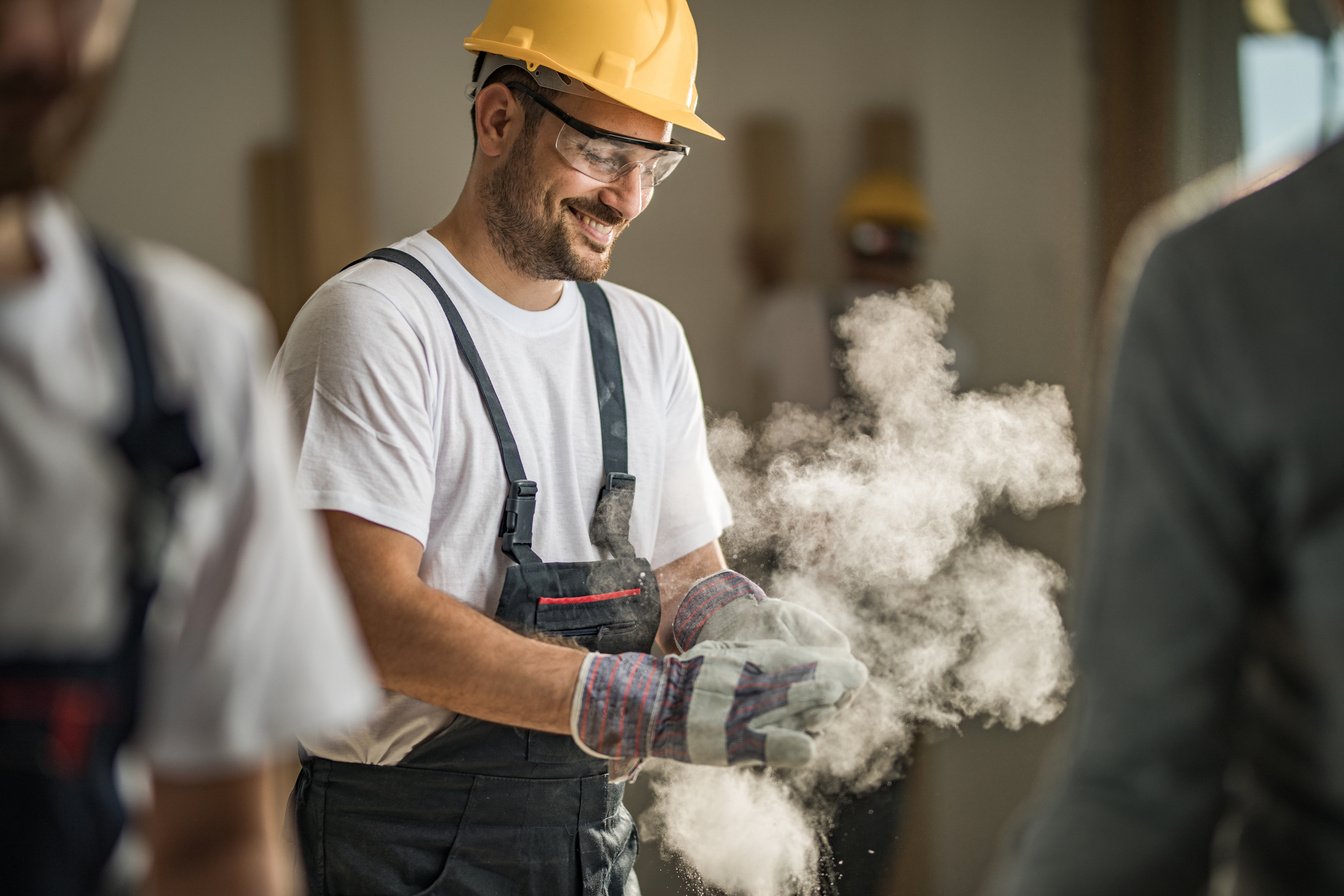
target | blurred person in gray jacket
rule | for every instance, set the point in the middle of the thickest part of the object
(1210, 732)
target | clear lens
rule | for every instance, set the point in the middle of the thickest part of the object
(608, 160)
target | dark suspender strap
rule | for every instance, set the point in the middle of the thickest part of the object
(515, 528)
(610, 528)
(158, 447)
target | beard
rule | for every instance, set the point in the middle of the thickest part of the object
(43, 124)
(533, 236)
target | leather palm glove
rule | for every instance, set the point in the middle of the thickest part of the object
(716, 704)
(728, 606)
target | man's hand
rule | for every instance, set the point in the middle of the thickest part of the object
(728, 606)
(716, 704)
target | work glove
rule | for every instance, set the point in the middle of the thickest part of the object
(716, 704)
(728, 606)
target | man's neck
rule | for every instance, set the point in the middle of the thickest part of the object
(18, 257)
(463, 234)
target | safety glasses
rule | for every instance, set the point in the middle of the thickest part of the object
(606, 156)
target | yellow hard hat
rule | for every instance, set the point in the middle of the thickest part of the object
(640, 53)
(886, 198)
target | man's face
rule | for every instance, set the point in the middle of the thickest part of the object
(551, 222)
(56, 57)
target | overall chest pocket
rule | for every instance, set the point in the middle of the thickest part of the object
(610, 606)
(607, 605)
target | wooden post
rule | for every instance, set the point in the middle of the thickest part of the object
(276, 246)
(888, 135)
(1135, 50)
(771, 183)
(310, 196)
(332, 161)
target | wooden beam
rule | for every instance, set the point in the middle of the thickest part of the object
(1134, 43)
(771, 178)
(888, 135)
(276, 245)
(332, 160)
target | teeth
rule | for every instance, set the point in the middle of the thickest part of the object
(594, 223)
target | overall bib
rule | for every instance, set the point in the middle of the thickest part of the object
(488, 809)
(62, 720)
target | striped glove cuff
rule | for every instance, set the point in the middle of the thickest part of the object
(705, 598)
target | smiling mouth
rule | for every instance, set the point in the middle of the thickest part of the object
(599, 232)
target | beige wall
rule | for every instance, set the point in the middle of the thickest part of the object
(1001, 92)
(201, 84)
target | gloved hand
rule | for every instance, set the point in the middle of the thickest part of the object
(716, 704)
(728, 606)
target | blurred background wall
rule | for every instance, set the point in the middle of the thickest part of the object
(1040, 130)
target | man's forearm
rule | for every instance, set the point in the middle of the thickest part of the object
(216, 836)
(433, 647)
(227, 869)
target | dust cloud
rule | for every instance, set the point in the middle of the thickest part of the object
(873, 514)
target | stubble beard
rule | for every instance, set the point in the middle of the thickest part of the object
(39, 154)
(533, 239)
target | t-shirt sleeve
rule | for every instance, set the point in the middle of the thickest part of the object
(694, 509)
(358, 382)
(253, 640)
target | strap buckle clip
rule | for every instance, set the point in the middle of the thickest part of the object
(616, 481)
(519, 507)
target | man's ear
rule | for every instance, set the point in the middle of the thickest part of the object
(497, 115)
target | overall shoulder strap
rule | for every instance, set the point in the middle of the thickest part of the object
(610, 529)
(515, 528)
(157, 445)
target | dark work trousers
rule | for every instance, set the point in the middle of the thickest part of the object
(487, 809)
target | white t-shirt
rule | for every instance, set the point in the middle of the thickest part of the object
(394, 431)
(250, 640)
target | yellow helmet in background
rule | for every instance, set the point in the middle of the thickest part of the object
(640, 53)
(885, 198)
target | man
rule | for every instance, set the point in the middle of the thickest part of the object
(468, 398)
(1210, 735)
(136, 448)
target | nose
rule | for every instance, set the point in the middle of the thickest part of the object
(627, 194)
(33, 37)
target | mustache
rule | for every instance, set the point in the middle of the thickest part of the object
(32, 86)
(597, 211)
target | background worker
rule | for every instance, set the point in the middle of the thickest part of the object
(473, 406)
(160, 583)
(882, 224)
(1209, 739)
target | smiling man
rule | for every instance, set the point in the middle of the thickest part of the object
(511, 460)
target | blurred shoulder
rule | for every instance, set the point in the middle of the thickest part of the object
(1293, 219)
(195, 306)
